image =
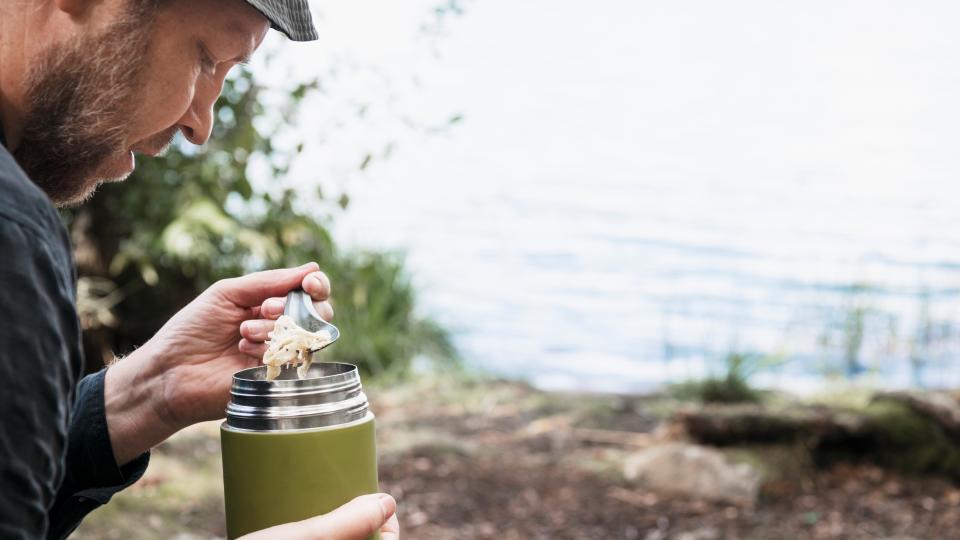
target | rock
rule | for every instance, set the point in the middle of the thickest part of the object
(912, 432)
(750, 422)
(942, 408)
(693, 471)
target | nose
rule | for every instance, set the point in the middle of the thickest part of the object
(197, 123)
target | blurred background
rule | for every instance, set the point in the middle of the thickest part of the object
(682, 269)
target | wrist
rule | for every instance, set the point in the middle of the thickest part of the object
(134, 406)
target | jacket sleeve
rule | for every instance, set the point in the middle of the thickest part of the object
(91, 472)
(40, 362)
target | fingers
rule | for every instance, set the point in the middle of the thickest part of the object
(261, 292)
(253, 334)
(252, 289)
(391, 529)
(272, 308)
(355, 520)
(317, 285)
(257, 330)
(252, 349)
(325, 310)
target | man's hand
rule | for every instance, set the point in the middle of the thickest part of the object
(183, 374)
(355, 520)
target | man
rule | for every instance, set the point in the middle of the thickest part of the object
(85, 85)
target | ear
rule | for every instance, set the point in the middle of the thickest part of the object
(74, 8)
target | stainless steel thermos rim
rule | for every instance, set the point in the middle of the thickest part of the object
(331, 395)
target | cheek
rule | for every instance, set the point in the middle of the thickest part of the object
(164, 101)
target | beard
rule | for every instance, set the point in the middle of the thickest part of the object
(79, 102)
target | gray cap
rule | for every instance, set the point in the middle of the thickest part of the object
(292, 17)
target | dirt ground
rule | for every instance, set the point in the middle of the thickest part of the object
(472, 458)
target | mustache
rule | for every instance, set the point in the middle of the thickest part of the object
(158, 144)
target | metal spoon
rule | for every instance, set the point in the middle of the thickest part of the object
(299, 307)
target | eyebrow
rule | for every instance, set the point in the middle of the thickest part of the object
(236, 29)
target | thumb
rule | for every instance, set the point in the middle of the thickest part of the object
(252, 289)
(357, 519)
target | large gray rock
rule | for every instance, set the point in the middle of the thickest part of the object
(693, 471)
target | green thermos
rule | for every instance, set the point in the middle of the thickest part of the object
(295, 448)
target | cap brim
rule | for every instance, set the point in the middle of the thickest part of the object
(292, 17)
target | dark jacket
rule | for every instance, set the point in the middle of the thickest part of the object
(56, 461)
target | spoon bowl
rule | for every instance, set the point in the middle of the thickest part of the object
(299, 307)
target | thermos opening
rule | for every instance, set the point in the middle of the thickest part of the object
(288, 373)
(331, 395)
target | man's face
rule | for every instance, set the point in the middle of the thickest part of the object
(126, 84)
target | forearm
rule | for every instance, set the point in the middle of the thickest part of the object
(92, 474)
(133, 401)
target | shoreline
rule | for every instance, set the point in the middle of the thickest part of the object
(472, 457)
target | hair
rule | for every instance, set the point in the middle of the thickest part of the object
(80, 96)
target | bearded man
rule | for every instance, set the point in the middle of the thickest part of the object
(85, 85)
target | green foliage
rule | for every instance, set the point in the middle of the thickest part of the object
(897, 437)
(192, 217)
(906, 441)
(730, 386)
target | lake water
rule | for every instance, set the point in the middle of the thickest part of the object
(636, 189)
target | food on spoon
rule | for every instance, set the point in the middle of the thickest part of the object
(290, 344)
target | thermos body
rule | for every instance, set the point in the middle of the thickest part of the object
(294, 449)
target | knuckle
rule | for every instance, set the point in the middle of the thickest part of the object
(221, 285)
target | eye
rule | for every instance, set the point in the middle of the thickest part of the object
(207, 63)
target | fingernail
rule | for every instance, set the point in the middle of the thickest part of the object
(254, 327)
(319, 281)
(387, 504)
(274, 306)
(308, 265)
